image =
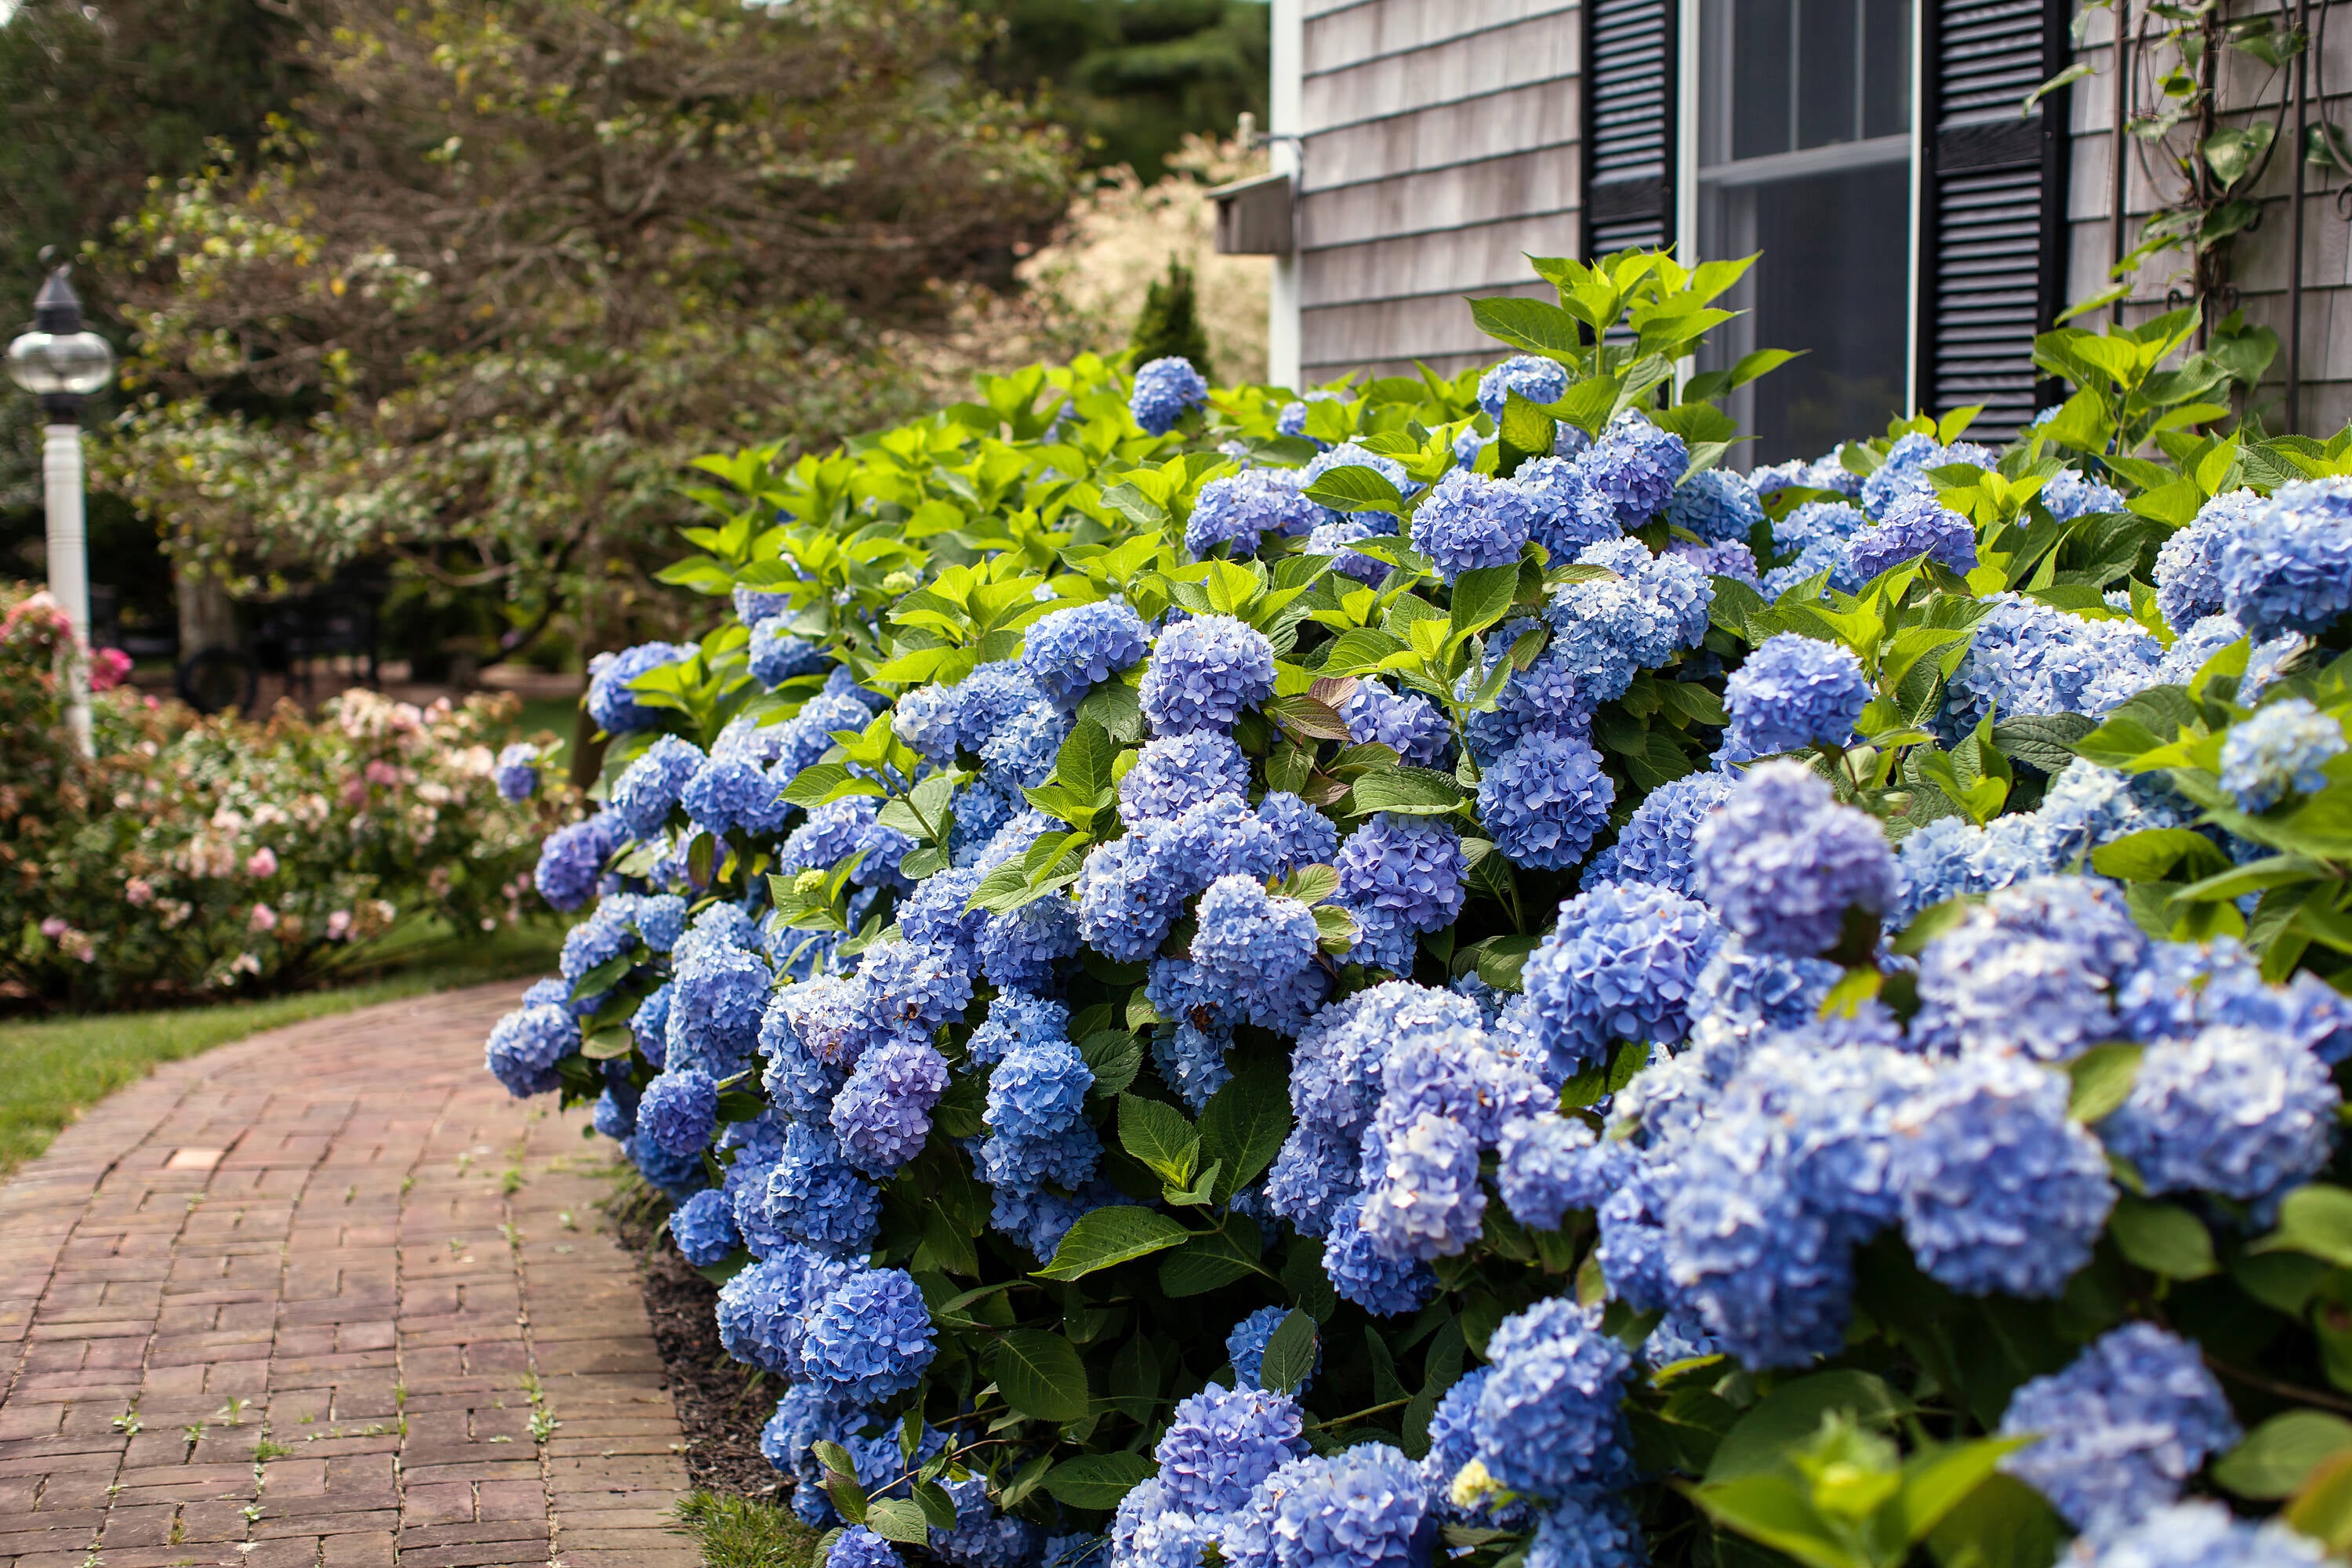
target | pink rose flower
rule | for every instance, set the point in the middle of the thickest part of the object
(54, 927)
(383, 773)
(262, 863)
(138, 892)
(109, 667)
(263, 918)
(338, 925)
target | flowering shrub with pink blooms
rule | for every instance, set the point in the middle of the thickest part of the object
(193, 856)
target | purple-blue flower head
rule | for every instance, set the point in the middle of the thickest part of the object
(1241, 508)
(1165, 391)
(1539, 381)
(1204, 672)
(2002, 1191)
(1068, 653)
(1544, 800)
(1470, 522)
(1720, 507)
(2288, 567)
(1793, 692)
(1623, 964)
(1172, 773)
(1635, 467)
(610, 702)
(2121, 1430)
(2283, 750)
(1781, 861)
(1916, 524)
(649, 786)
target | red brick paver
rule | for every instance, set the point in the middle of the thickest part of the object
(328, 1297)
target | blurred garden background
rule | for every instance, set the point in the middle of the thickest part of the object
(422, 307)
(421, 311)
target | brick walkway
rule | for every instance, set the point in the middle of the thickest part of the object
(327, 1296)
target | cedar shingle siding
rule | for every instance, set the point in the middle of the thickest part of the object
(1445, 138)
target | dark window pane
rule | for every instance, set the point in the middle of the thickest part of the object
(1885, 67)
(1828, 45)
(1832, 281)
(1760, 77)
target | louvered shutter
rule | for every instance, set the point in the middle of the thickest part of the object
(1629, 113)
(1992, 266)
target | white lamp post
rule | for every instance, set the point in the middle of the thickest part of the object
(61, 362)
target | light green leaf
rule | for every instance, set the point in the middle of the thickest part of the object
(2275, 1456)
(1159, 1135)
(899, 1519)
(1788, 1417)
(1409, 791)
(2103, 1079)
(1114, 1235)
(2316, 1220)
(2163, 1239)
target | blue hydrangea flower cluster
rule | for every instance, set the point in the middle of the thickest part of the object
(1539, 381)
(1165, 391)
(2203, 1534)
(2188, 565)
(2028, 658)
(517, 771)
(1400, 876)
(1720, 507)
(2287, 566)
(1204, 672)
(2001, 1189)
(610, 700)
(1408, 723)
(2283, 750)
(1549, 1421)
(649, 787)
(704, 1228)
(526, 1045)
(1634, 468)
(1469, 521)
(1654, 844)
(2120, 1431)
(1915, 524)
(1781, 862)
(1622, 963)
(1793, 692)
(1242, 510)
(1070, 652)
(1568, 512)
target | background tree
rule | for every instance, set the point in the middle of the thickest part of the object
(516, 260)
(1131, 78)
(95, 101)
(1169, 322)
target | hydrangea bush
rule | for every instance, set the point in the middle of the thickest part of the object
(195, 857)
(1429, 972)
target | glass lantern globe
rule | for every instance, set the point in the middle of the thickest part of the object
(50, 364)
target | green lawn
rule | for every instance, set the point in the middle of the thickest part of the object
(556, 714)
(52, 1068)
(735, 1533)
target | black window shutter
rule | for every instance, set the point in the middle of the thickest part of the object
(1629, 118)
(1992, 255)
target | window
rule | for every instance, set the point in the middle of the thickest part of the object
(1803, 152)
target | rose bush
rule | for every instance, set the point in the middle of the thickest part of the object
(1425, 971)
(217, 856)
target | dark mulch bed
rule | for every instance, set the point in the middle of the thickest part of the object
(721, 1403)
